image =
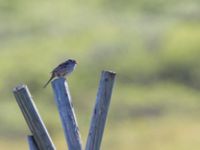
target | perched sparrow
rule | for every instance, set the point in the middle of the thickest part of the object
(63, 69)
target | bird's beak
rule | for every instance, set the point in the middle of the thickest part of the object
(76, 62)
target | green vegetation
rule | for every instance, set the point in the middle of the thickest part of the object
(152, 45)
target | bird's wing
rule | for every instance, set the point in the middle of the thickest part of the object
(60, 67)
(57, 68)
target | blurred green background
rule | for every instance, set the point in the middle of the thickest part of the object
(154, 46)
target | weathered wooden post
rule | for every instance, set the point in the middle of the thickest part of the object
(40, 139)
(100, 110)
(67, 115)
(33, 119)
(32, 143)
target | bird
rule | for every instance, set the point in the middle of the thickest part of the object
(62, 70)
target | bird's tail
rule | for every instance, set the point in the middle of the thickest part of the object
(48, 81)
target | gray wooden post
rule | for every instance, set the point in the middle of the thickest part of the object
(100, 110)
(67, 114)
(33, 118)
(32, 143)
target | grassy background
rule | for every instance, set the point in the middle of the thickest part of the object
(152, 45)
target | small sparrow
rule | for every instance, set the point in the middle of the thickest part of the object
(63, 69)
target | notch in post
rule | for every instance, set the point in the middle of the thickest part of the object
(32, 143)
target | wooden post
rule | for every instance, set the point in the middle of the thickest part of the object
(67, 115)
(33, 118)
(100, 110)
(32, 143)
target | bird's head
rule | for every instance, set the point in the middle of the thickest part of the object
(71, 61)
